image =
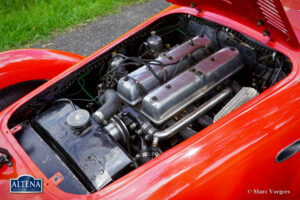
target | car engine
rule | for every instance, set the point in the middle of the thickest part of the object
(144, 96)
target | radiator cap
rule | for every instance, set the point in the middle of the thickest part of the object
(78, 118)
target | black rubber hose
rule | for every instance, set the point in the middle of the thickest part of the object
(66, 100)
(144, 154)
(110, 106)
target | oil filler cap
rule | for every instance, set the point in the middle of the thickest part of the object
(78, 118)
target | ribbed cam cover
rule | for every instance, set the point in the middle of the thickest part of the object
(133, 87)
(183, 90)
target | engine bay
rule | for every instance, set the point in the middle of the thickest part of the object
(144, 96)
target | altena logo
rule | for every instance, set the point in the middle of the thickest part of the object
(26, 184)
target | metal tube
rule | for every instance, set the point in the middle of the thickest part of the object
(175, 128)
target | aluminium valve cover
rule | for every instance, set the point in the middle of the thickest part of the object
(135, 85)
(165, 101)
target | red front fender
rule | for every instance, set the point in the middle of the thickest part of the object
(33, 64)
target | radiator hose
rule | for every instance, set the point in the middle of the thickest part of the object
(110, 106)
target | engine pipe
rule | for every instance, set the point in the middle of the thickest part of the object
(110, 106)
(144, 154)
(172, 130)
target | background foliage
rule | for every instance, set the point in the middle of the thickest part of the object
(23, 22)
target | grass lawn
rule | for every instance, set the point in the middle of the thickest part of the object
(24, 22)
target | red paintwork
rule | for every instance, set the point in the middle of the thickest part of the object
(224, 161)
(33, 64)
(292, 8)
(248, 12)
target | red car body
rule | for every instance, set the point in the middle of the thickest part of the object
(233, 158)
(33, 64)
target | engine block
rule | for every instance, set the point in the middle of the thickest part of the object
(165, 101)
